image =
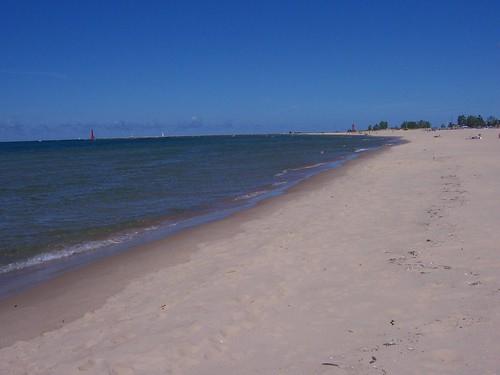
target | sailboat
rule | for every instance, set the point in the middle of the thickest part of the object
(92, 136)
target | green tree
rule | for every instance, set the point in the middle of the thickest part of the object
(462, 120)
(480, 122)
(421, 124)
(475, 121)
(492, 121)
(380, 126)
(383, 125)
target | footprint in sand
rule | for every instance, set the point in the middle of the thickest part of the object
(90, 363)
(122, 370)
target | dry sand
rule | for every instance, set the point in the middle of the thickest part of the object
(387, 266)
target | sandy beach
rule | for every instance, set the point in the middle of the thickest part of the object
(388, 265)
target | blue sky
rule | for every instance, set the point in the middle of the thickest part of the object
(142, 67)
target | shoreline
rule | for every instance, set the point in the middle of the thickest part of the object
(26, 273)
(386, 265)
(178, 246)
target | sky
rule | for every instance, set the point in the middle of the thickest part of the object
(132, 68)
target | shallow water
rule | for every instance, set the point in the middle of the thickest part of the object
(61, 198)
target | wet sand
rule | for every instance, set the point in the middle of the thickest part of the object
(387, 265)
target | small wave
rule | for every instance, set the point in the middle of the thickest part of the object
(68, 252)
(283, 172)
(308, 167)
(251, 195)
(280, 183)
(362, 149)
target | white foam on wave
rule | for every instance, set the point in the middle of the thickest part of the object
(279, 183)
(308, 167)
(362, 149)
(251, 195)
(55, 255)
(70, 251)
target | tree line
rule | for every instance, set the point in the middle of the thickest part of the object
(476, 121)
(462, 120)
(382, 125)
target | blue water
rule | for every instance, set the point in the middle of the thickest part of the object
(62, 198)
